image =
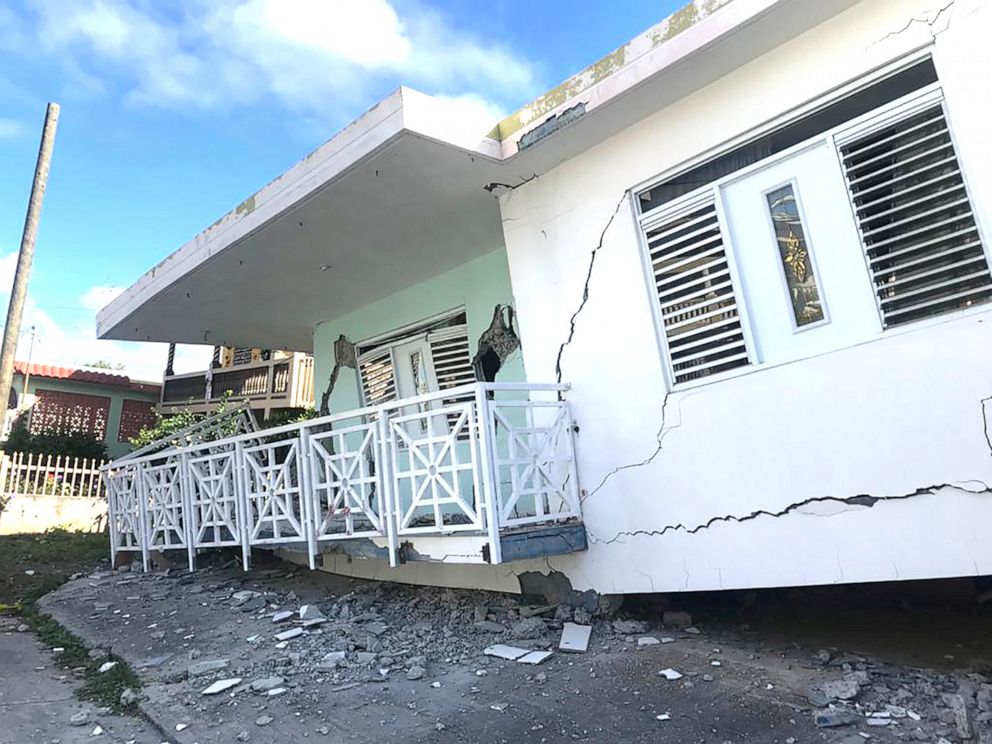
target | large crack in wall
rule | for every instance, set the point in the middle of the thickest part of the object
(585, 286)
(344, 356)
(864, 499)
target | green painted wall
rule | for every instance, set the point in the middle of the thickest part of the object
(116, 395)
(478, 286)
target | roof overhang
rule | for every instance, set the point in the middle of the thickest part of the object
(406, 191)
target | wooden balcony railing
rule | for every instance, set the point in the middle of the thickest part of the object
(277, 383)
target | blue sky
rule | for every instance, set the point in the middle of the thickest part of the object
(173, 111)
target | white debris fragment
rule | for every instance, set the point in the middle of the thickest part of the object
(647, 641)
(664, 717)
(107, 666)
(182, 726)
(276, 691)
(914, 715)
(97, 731)
(693, 630)
(220, 685)
(716, 663)
(282, 644)
(289, 634)
(502, 651)
(670, 674)
(311, 615)
(282, 616)
(534, 657)
(667, 639)
(575, 638)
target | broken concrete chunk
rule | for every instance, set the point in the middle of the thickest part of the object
(282, 616)
(331, 660)
(629, 627)
(415, 672)
(502, 651)
(670, 674)
(535, 657)
(647, 641)
(207, 666)
(840, 689)
(263, 720)
(575, 638)
(266, 683)
(289, 634)
(80, 719)
(309, 613)
(835, 718)
(961, 715)
(220, 685)
(528, 627)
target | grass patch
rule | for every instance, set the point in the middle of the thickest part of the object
(52, 557)
(100, 688)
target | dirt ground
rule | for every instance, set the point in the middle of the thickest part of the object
(406, 664)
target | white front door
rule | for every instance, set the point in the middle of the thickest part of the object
(415, 376)
(800, 261)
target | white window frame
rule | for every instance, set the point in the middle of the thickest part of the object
(397, 337)
(673, 209)
(834, 137)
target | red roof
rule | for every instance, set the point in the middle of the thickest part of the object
(83, 375)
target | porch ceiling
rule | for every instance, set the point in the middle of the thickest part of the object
(412, 210)
(398, 196)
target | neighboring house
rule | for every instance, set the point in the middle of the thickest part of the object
(269, 381)
(111, 407)
(753, 244)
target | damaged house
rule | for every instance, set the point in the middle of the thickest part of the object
(712, 314)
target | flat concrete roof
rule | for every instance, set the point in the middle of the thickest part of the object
(408, 190)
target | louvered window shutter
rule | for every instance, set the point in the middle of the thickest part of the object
(452, 361)
(924, 252)
(378, 381)
(695, 289)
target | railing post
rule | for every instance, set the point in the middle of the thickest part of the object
(306, 493)
(487, 459)
(186, 489)
(111, 518)
(241, 496)
(390, 508)
(143, 533)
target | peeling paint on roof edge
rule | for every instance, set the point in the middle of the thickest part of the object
(682, 19)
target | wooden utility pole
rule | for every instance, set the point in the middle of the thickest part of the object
(19, 291)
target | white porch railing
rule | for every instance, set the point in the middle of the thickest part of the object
(479, 459)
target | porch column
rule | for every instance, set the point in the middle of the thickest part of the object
(170, 361)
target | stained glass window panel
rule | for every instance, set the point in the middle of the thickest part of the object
(797, 264)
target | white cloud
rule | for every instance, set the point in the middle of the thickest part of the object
(315, 56)
(10, 128)
(98, 297)
(73, 343)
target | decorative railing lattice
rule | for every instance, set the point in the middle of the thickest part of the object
(500, 458)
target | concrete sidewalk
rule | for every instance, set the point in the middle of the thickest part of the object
(37, 699)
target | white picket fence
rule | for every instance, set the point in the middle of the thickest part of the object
(27, 474)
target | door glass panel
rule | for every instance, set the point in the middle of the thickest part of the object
(797, 263)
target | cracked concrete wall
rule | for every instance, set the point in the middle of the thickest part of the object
(866, 462)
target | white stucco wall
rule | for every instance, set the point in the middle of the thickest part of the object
(899, 415)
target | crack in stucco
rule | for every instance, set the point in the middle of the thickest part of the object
(344, 356)
(496, 186)
(585, 286)
(985, 422)
(929, 22)
(864, 499)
